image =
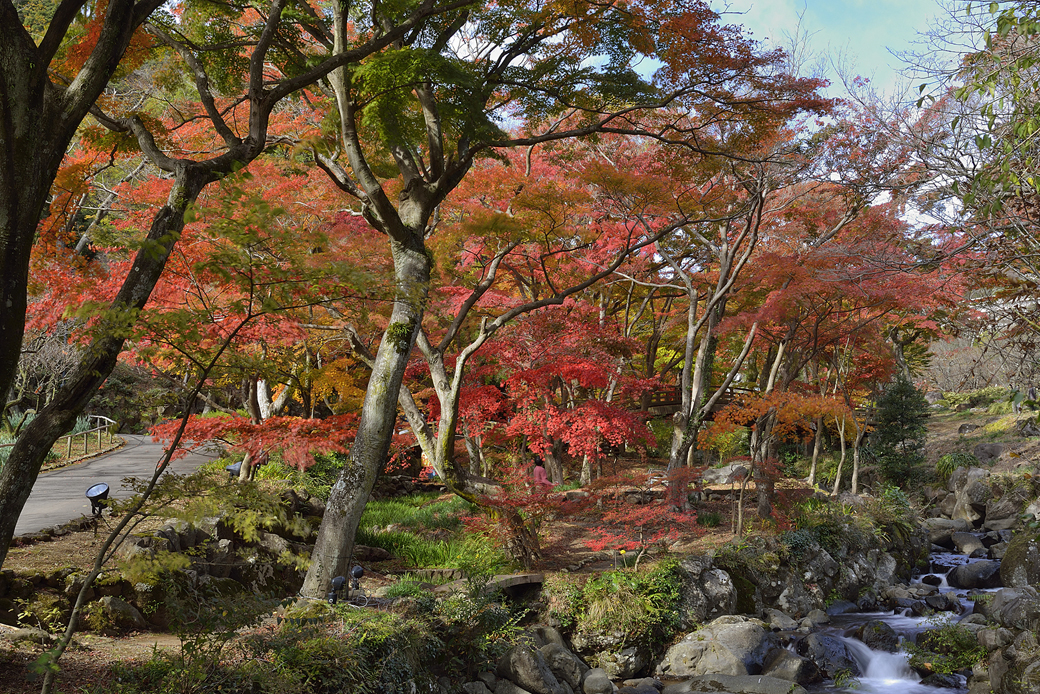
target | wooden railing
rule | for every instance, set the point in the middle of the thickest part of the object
(669, 398)
(103, 424)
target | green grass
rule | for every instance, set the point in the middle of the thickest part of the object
(421, 511)
(414, 517)
(424, 553)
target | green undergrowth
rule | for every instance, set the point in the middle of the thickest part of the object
(947, 647)
(980, 397)
(426, 531)
(841, 529)
(419, 511)
(999, 428)
(335, 649)
(643, 605)
(316, 480)
(947, 464)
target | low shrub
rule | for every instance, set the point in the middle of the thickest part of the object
(712, 519)
(643, 604)
(946, 464)
(980, 397)
(946, 648)
(838, 528)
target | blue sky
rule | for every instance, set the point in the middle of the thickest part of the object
(864, 29)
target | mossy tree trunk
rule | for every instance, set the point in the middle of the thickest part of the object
(335, 542)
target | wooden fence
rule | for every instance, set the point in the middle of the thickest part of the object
(101, 424)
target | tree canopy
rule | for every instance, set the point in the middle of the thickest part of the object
(493, 231)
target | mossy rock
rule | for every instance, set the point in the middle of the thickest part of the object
(309, 612)
(746, 592)
(1020, 566)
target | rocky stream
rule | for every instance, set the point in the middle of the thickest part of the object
(764, 628)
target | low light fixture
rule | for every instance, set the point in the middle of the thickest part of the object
(337, 586)
(98, 495)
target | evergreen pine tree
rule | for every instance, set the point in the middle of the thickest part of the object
(899, 436)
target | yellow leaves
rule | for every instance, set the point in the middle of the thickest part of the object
(341, 384)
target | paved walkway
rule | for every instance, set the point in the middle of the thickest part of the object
(58, 495)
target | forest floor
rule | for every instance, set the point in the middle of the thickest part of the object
(89, 661)
(1019, 453)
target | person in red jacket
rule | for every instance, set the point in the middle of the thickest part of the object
(541, 479)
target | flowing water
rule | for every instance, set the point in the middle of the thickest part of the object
(888, 673)
(881, 672)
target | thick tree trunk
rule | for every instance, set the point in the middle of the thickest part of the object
(23, 465)
(763, 453)
(523, 544)
(335, 543)
(37, 123)
(899, 343)
(554, 462)
(476, 459)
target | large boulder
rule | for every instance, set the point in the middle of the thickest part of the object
(1015, 668)
(938, 680)
(565, 665)
(1016, 608)
(966, 543)
(624, 663)
(731, 645)
(543, 635)
(988, 452)
(221, 558)
(980, 574)
(1004, 513)
(596, 681)
(878, 635)
(29, 635)
(613, 651)
(121, 613)
(971, 485)
(943, 602)
(727, 474)
(786, 665)
(1027, 427)
(1021, 564)
(527, 668)
(941, 530)
(734, 684)
(830, 654)
(779, 621)
(707, 592)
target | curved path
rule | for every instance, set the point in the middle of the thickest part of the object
(58, 495)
